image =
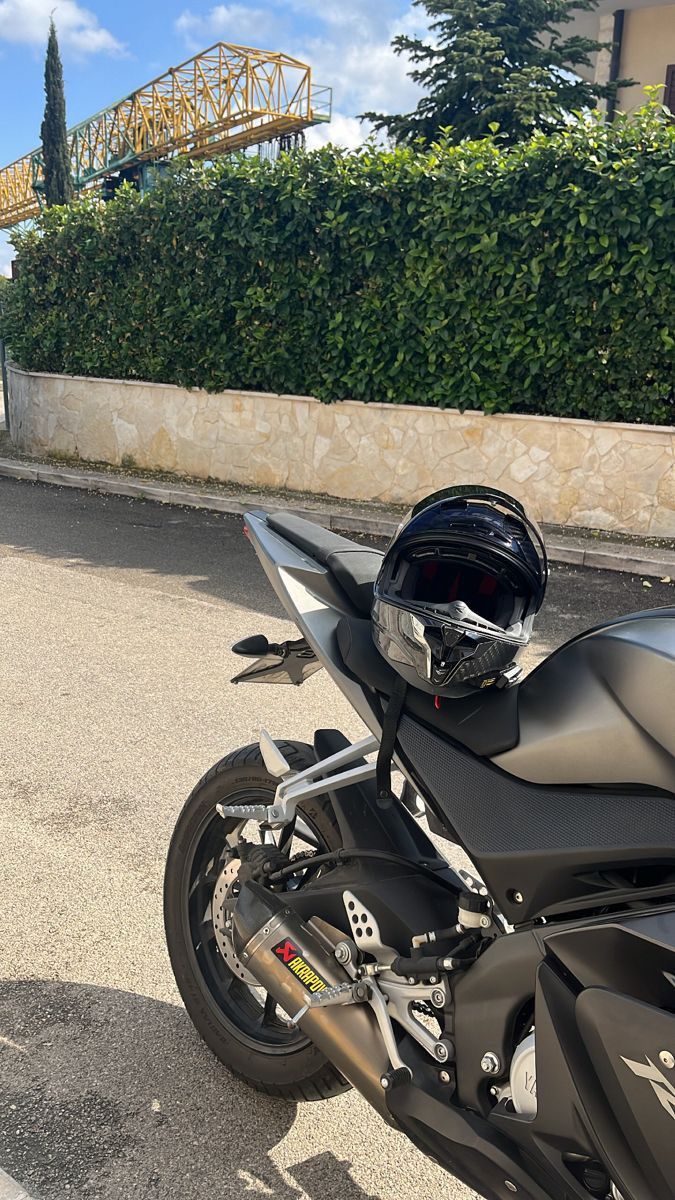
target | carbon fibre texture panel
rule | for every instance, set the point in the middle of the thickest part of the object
(494, 813)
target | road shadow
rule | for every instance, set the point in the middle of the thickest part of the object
(206, 552)
(327, 1176)
(194, 551)
(108, 1094)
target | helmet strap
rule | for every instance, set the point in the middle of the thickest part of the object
(390, 723)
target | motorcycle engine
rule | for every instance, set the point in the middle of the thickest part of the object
(523, 1078)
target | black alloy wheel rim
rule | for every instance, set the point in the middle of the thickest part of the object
(254, 1024)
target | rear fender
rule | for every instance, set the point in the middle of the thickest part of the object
(368, 823)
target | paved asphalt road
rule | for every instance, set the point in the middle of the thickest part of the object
(116, 619)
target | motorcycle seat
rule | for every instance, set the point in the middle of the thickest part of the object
(355, 567)
(486, 723)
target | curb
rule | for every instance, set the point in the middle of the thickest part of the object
(603, 555)
(10, 1189)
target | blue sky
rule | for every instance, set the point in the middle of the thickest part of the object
(109, 49)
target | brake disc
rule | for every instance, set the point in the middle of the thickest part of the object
(222, 923)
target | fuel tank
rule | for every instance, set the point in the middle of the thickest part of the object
(601, 709)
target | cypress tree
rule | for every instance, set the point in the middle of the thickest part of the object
(504, 62)
(55, 151)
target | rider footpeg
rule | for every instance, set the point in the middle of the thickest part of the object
(340, 993)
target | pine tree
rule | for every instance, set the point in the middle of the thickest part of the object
(57, 178)
(496, 61)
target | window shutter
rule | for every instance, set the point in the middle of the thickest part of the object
(669, 97)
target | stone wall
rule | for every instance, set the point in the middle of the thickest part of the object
(603, 475)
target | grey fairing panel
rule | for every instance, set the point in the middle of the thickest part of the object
(311, 599)
(601, 709)
(538, 846)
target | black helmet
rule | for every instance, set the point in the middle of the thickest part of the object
(458, 590)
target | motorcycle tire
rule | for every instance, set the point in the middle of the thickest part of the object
(276, 1060)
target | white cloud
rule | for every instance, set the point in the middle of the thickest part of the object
(28, 21)
(354, 53)
(363, 75)
(237, 23)
(349, 49)
(364, 19)
(342, 131)
(7, 253)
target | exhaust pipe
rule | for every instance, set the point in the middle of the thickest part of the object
(293, 962)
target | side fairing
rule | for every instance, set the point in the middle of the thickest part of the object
(600, 710)
(542, 849)
(605, 1036)
(625, 1040)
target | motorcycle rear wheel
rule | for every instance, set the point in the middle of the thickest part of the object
(246, 1035)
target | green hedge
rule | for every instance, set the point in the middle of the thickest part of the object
(534, 279)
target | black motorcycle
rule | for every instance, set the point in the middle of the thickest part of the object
(519, 1025)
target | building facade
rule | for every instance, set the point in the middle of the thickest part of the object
(642, 33)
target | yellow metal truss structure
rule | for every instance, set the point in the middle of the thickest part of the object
(226, 98)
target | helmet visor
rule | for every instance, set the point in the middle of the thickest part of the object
(463, 647)
(440, 583)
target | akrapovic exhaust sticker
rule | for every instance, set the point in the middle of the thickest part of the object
(291, 957)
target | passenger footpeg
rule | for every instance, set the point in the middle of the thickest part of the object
(275, 815)
(244, 812)
(296, 786)
(272, 757)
